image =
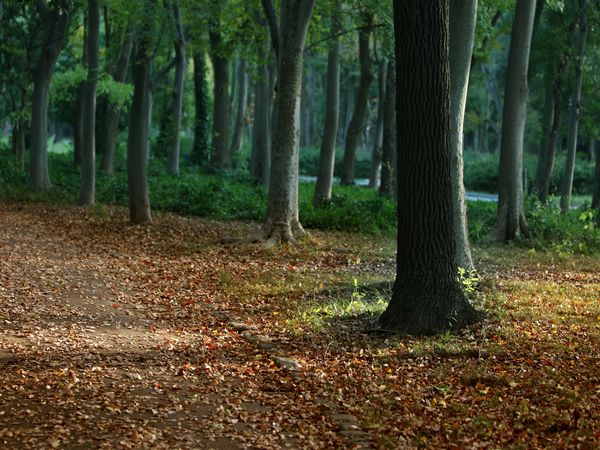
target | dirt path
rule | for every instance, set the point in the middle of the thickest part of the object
(101, 346)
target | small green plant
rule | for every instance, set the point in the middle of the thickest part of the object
(468, 279)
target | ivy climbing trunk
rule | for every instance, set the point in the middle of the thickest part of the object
(200, 149)
(427, 297)
(220, 135)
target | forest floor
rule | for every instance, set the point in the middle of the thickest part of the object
(158, 336)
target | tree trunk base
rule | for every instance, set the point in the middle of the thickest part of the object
(272, 234)
(422, 307)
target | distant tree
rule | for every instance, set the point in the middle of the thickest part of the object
(376, 154)
(510, 219)
(87, 194)
(388, 155)
(55, 17)
(574, 110)
(221, 112)
(241, 81)
(200, 148)
(427, 297)
(332, 114)
(139, 125)
(357, 122)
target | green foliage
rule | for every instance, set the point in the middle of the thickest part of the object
(309, 162)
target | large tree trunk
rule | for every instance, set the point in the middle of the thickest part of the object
(510, 220)
(220, 155)
(388, 155)
(332, 116)
(282, 214)
(111, 114)
(427, 298)
(242, 100)
(376, 155)
(87, 193)
(56, 22)
(574, 108)
(173, 140)
(463, 15)
(139, 129)
(200, 149)
(357, 123)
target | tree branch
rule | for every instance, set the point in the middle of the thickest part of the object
(273, 25)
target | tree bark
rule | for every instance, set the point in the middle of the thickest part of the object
(427, 298)
(220, 142)
(139, 130)
(357, 122)
(56, 23)
(388, 156)
(374, 176)
(510, 220)
(87, 193)
(332, 115)
(200, 148)
(173, 140)
(282, 214)
(242, 100)
(463, 17)
(596, 196)
(574, 110)
(78, 122)
(111, 114)
(547, 119)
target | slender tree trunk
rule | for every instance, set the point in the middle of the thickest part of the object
(510, 221)
(332, 116)
(87, 193)
(139, 130)
(111, 114)
(200, 149)
(463, 17)
(357, 123)
(56, 23)
(427, 297)
(547, 119)
(242, 100)
(18, 142)
(574, 109)
(220, 156)
(282, 214)
(260, 161)
(78, 123)
(388, 156)
(376, 157)
(553, 135)
(173, 140)
(596, 196)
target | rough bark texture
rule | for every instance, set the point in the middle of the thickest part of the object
(427, 297)
(137, 142)
(282, 215)
(357, 122)
(332, 117)
(200, 149)
(87, 193)
(55, 24)
(376, 155)
(574, 109)
(463, 14)
(172, 140)
(111, 114)
(388, 155)
(242, 100)
(510, 220)
(220, 140)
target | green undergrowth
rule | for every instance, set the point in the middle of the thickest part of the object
(233, 195)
